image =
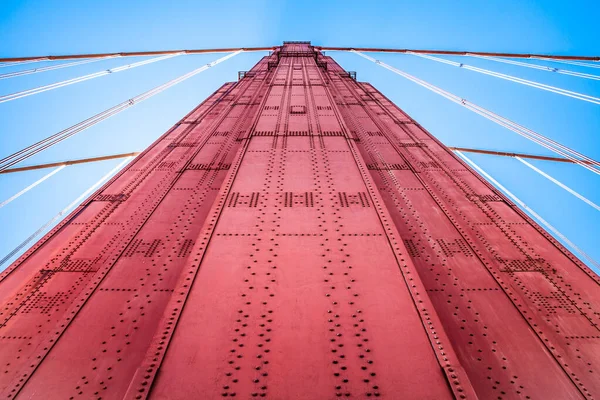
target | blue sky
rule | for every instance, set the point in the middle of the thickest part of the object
(46, 27)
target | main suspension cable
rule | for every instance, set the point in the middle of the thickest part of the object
(540, 67)
(64, 211)
(51, 68)
(548, 88)
(524, 206)
(35, 148)
(67, 82)
(498, 153)
(550, 144)
(69, 162)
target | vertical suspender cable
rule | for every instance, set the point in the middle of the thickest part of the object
(64, 211)
(557, 182)
(541, 220)
(548, 88)
(536, 66)
(56, 85)
(51, 67)
(28, 188)
(576, 157)
(35, 148)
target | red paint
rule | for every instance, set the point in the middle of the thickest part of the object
(297, 236)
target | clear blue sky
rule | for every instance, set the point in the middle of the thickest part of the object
(45, 27)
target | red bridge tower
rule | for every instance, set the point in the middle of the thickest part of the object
(298, 236)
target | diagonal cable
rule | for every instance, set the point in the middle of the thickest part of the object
(550, 144)
(570, 62)
(56, 85)
(34, 184)
(63, 211)
(559, 183)
(542, 86)
(524, 206)
(537, 66)
(51, 67)
(35, 148)
(13, 63)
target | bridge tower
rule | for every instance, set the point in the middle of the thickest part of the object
(298, 236)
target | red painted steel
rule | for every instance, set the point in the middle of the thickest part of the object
(522, 155)
(460, 53)
(318, 48)
(297, 236)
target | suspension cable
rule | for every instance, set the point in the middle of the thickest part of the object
(67, 82)
(529, 134)
(186, 51)
(549, 88)
(13, 63)
(540, 67)
(35, 148)
(69, 162)
(64, 211)
(541, 220)
(51, 67)
(28, 188)
(535, 137)
(571, 62)
(562, 185)
(498, 153)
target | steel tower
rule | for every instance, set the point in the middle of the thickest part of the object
(298, 236)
